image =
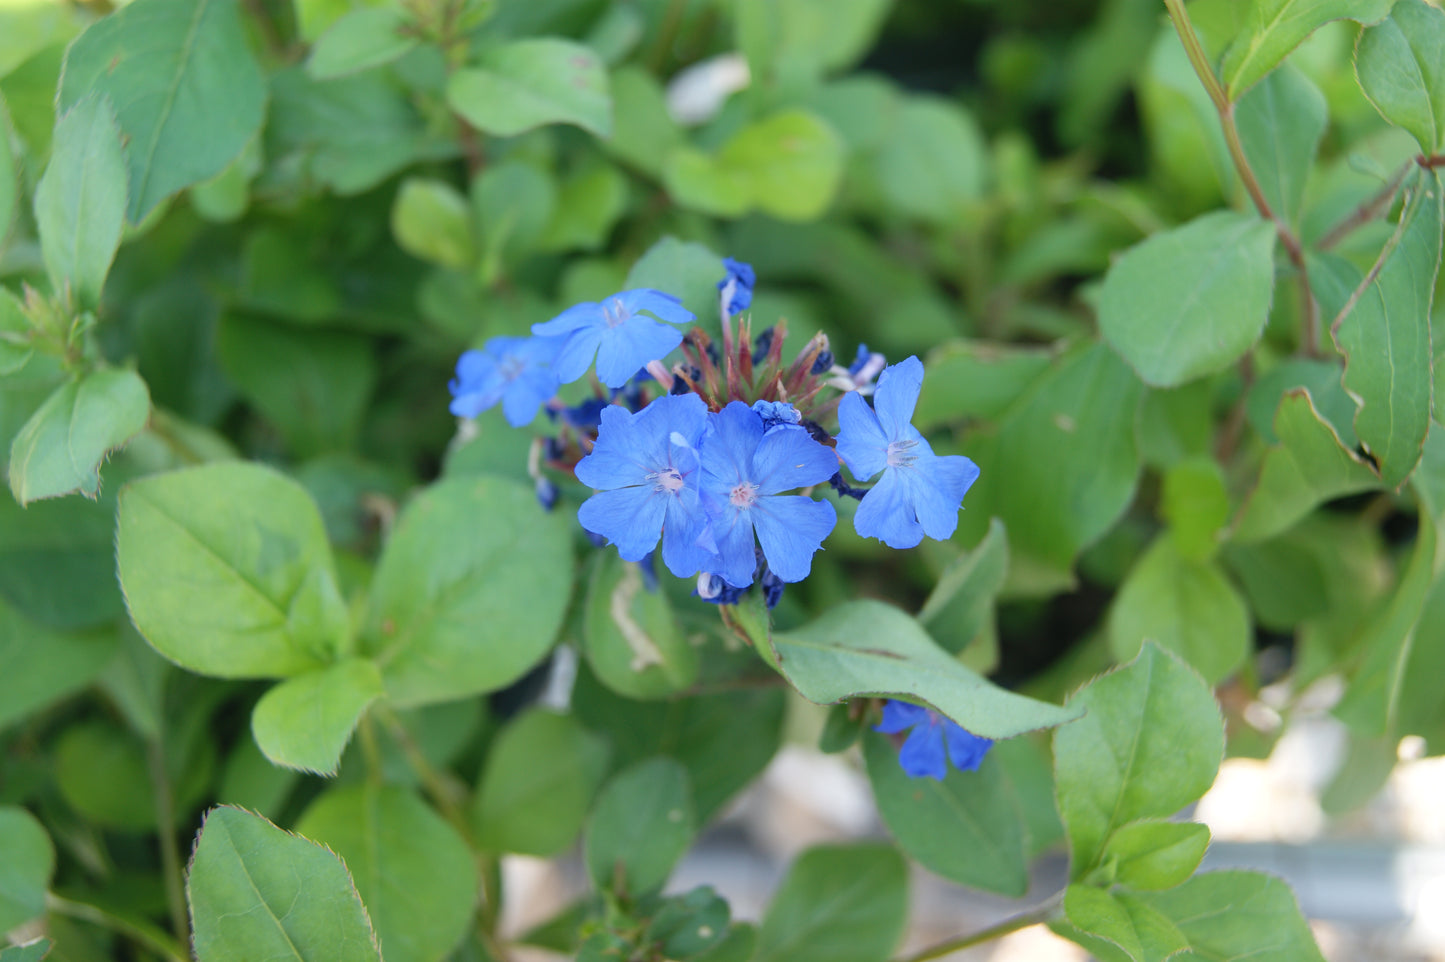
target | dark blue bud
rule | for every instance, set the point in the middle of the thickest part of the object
(762, 344)
(844, 489)
(742, 277)
(721, 593)
(648, 567)
(860, 359)
(552, 449)
(547, 494)
(822, 362)
(772, 588)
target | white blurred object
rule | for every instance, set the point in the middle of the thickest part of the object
(1036, 944)
(806, 798)
(1277, 799)
(697, 93)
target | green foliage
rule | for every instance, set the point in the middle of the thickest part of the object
(29, 863)
(1399, 65)
(521, 85)
(641, 825)
(844, 904)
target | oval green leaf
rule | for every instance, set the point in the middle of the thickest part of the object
(642, 824)
(837, 904)
(306, 721)
(527, 83)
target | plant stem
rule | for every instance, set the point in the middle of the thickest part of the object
(1367, 211)
(166, 829)
(1035, 916)
(150, 936)
(1309, 340)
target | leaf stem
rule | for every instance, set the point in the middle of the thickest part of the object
(1367, 211)
(1309, 340)
(152, 937)
(1044, 912)
(171, 872)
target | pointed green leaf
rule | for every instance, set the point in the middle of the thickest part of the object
(26, 868)
(967, 828)
(1140, 931)
(869, 648)
(60, 448)
(1308, 466)
(210, 559)
(837, 904)
(630, 635)
(538, 784)
(9, 181)
(414, 872)
(1400, 62)
(1238, 916)
(464, 598)
(15, 349)
(187, 92)
(431, 220)
(359, 40)
(29, 952)
(1185, 605)
(258, 892)
(642, 824)
(1385, 336)
(961, 603)
(1149, 745)
(80, 203)
(306, 721)
(1191, 300)
(1272, 28)
(39, 667)
(1153, 855)
(687, 270)
(527, 83)
(1281, 121)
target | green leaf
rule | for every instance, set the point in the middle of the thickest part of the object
(1134, 926)
(1420, 710)
(1400, 63)
(837, 904)
(643, 132)
(80, 203)
(1082, 411)
(1196, 506)
(414, 872)
(15, 331)
(870, 648)
(57, 560)
(788, 164)
(1386, 336)
(60, 448)
(1149, 745)
(687, 270)
(512, 204)
(39, 667)
(1308, 466)
(188, 93)
(528, 83)
(934, 163)
(961, 603)
(538, 784)
(1273, 28)
(1281, 121)
(642, 824)
(1371, 702)
(975, 379)
(1191, 300)
(360, 40)
(256, 891)
(314, 386)
(249, 780)
(29, 952)
(1283, 579)
(26, 869)
(1321, 379)
(1234, 916)
(588, 206)
(1155, 855)
(1186, 605)
(464, 599)
(630, 635)
(792, 44)
(967, 828)
(211, 559)
(306, 721)
(9, 182)
(431, 220)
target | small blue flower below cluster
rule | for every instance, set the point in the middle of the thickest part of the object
(933, 739)
(622, 339)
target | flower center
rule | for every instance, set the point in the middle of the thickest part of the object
(511, 368)
(745, 495)
(667, 480)
(615, 312)
(900, 453)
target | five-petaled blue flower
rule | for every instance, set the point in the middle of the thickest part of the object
(920, 492)
(517, 371)
(622, 339)
(933, 738)
(744, 467)
(645, 467)
(742, 278)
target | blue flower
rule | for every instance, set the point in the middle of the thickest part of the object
(744, 467)
(645, 467)
(517, 371)
(742, 278)
(920, 493)
(932, 738)
(622, 339)
(775, 413)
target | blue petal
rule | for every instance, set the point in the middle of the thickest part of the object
(527, 393)
(789, 458)
(624, 349)
(936, 487)
(474, 365)
(472, 403)
(618, 458)
(791, 528)
(585, 314)
(965, 749)
(665, 306)
(896, 396)
(732, 531)
(630, 518)
(886, 513)
(576, 355)
(733, 436)
(898, 715)
(861, 442)
(922, 753)
(681, 531)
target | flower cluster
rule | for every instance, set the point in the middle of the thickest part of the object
(717, 456)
